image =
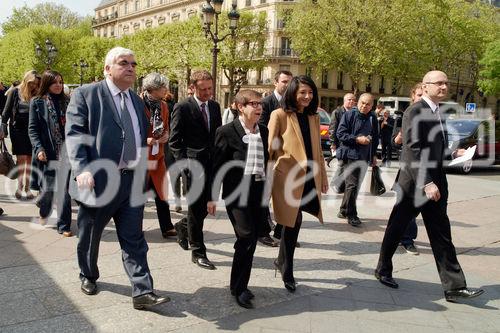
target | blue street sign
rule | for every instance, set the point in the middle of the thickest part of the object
(470, 107)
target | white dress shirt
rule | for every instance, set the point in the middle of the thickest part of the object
(115, 93)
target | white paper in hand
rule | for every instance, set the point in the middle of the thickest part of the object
(469, 153)
(155, 149)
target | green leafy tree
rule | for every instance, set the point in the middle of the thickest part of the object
(489, 82)
(398, 38)
(43, 13)
(245, 51)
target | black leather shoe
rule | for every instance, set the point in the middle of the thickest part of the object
(354, 221)
(181, 240)
(291, 286)
(268, 241)
(243, 300)
(203, 262)
(454, 295)
(386, 280)
(248, 292)
(147, 301)
(88, 287)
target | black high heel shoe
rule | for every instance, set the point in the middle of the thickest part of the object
(277, 267)
(291, 286)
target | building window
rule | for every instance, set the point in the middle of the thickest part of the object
(324, 79)
(148, 3)
(112, 32)
(309, 71)
(368, 87)
(284, 67)
(161, 20)
(340, 81)
(191, 12)
(286, 49)
(161, 2)
(263, 1)
(149, 23)
(137, 5)
(248, 3)
(137, 26)
(175, 16)
(381, 89)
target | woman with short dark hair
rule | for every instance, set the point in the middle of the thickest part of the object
(242, 145)
(295, 146)
(46, 131)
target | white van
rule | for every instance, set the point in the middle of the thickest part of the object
(395, 103)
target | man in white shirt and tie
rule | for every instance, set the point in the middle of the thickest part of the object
(424, 189)
(105, 130)
(193, 123)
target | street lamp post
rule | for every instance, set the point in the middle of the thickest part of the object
(51, 52)
(211, 10)
(82, 65)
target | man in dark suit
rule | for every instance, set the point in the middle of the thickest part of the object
(349, 103)
(105, 131)
(269, 104)
(272, 102)
(424, 189)
(192, 134)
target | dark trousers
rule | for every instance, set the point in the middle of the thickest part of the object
(247, 221)
(174, 183)
(353, 179)
(63, 199)
(192, 226)
(438, 229)
(410, 233)
(386, 149)
(338, 180)
(163, 211)
(288, 243)
(128, 223)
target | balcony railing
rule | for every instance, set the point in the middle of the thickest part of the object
(103, 19)
(281, 52)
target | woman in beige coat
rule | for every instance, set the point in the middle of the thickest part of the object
(299, 174)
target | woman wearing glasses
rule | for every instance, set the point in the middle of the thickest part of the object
(295, 147)
(241, 147)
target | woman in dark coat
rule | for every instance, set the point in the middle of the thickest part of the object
(243, 143)
(16, 113)
(46, 132)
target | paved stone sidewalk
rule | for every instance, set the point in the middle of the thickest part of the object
(39, 286)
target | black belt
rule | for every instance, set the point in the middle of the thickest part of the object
(125, 171)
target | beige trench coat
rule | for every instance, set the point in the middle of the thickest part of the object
(286, 150)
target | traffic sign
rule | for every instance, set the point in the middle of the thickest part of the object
(470, 107)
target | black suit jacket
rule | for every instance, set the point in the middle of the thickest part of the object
(334, 125)
(189, 136)
(229, 146)
(269, 104)
(424, 148)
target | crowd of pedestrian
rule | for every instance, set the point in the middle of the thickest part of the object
(110, 149)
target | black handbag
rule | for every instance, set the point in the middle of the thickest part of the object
(7, 164)
(377, 186)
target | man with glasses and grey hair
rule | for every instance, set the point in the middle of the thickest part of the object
(106, 128)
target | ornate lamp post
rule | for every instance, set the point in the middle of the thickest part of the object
(211, 10)
(51, 52)
(82, 65)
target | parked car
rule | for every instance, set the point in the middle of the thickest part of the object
(324, 124)
(465, 133)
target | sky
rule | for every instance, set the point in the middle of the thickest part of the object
(82, 7)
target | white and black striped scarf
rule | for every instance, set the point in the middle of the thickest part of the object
(254, 164)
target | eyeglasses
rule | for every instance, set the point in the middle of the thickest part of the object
(439, 83)
(125, 63)
(254, 104)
